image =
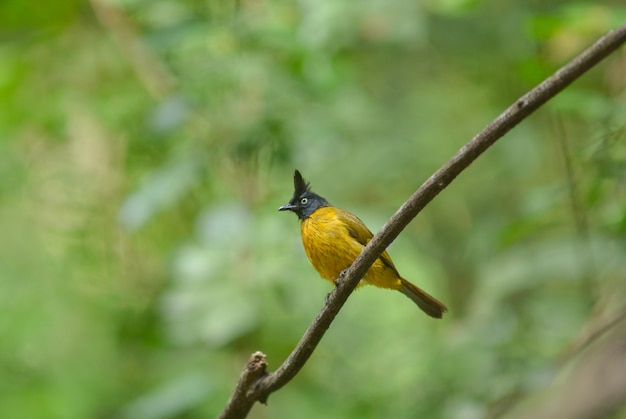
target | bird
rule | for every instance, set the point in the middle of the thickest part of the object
(333, 238)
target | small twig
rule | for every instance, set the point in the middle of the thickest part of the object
(517, 112)
(590, 384)
(240, 402)
(149, 70)
(586, 260)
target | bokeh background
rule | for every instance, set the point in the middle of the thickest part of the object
(145, 146)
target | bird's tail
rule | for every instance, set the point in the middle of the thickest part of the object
(429, 304)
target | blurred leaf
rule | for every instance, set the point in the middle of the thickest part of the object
(169, 115)
(201, 306)
(582, 103)
(453, 7)
(170, 400)
(16, 16)
(161, 190)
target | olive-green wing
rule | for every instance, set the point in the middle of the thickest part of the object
(359, 231)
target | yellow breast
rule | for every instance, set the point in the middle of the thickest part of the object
(324, 243)
(331, 247)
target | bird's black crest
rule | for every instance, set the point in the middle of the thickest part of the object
(299, 184)
(303, 202)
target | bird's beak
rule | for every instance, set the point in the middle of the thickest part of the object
(287, 207)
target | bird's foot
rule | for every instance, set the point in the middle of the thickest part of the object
(342, 275)
(337, 281)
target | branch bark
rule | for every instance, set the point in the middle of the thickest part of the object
(242, 401)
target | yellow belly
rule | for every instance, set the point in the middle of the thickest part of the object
(331, 248)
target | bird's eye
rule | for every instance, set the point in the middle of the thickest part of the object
(304, 201)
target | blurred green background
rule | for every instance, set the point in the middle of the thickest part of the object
(145, 146)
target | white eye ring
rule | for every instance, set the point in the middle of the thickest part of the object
(304, 201)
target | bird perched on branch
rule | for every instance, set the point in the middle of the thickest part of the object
(333, 238)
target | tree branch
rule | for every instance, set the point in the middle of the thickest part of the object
(241, 402)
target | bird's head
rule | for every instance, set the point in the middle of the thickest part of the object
(304, 202)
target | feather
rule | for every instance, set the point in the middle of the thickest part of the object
(299, 184)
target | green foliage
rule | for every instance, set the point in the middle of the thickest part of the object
(146, 145)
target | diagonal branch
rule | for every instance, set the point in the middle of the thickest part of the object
(241, 402)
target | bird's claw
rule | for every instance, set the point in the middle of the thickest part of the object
(336, 281)
(342, 274)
